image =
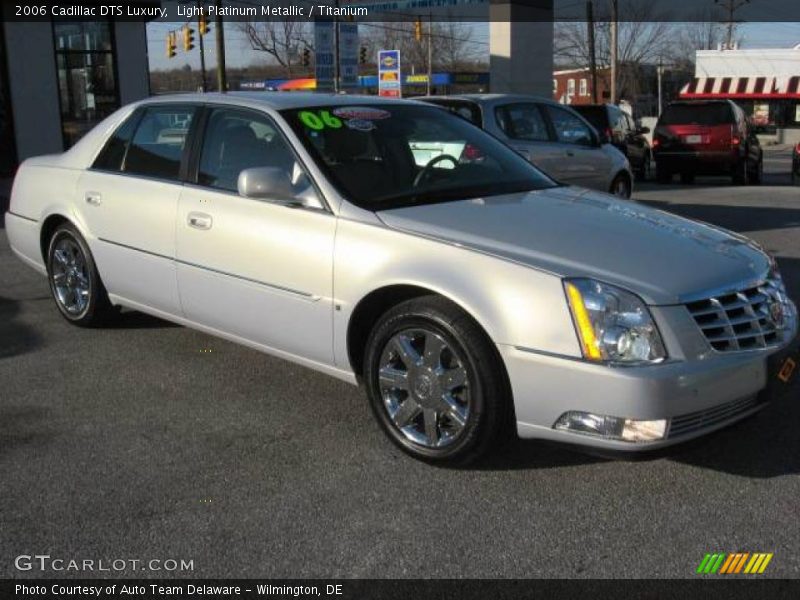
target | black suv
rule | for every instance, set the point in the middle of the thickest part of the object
(621, 131)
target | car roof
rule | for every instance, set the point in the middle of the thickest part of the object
(490, 98)
(275, 100)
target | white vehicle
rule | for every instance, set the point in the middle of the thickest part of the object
(470, 295)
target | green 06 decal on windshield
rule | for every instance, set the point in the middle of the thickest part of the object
(320, 120)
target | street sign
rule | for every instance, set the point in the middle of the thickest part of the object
(324, 55)
(348, 55)
(389, 80)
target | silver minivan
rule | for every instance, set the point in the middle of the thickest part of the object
(552, 136)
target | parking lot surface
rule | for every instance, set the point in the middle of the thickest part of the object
(151, 441)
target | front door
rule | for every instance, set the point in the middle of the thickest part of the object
(583, 162)
(260, 269)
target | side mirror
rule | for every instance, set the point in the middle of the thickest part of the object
(265, 182)
(602, 138)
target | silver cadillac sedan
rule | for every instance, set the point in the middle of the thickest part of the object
(470, 294)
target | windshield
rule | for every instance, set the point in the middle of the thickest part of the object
(713, 113)
(392, 155)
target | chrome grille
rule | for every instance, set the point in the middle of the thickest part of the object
(701, 419)
(739, 320)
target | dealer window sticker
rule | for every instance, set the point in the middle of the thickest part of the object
(319, 121)
(361, 113)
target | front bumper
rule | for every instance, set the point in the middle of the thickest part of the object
(697, 397)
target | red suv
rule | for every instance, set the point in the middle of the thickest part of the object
(706, 137)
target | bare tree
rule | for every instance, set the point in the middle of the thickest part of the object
(284, 41)
(453, 46)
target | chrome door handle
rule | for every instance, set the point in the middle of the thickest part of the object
(93, 198)
(199, 220)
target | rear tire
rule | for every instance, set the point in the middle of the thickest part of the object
(663, 175)
(436, 383)
(645, 171)
(621, 186)
(741, 173)
(758, 173)
(75, 284)
(687, 178)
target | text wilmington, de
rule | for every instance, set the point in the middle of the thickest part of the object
(322, 10)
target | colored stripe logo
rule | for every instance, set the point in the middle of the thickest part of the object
(734, 563)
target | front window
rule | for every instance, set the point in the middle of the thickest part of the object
(86, 76)
(569, 127)
(391, 155)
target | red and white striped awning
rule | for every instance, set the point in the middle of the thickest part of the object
(742, 87)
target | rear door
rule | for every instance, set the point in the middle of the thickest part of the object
(583, 161)
(525, 129)
(128, 202)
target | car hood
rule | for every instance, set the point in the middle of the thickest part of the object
(574, 232)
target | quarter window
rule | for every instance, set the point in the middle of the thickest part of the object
(522, 122)
(569, 128)
(111, 157)
(157, 146)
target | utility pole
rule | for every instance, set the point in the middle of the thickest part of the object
(614, 44)
(660, 71)
(731, 6)
(201, 35)
(430, 52)
(592, 56)
(222, 82)
(336, 48)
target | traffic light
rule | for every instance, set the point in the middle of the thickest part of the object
(418, 29)
(202, 25)
(306, 57)
(171, 44)
(188, 38)
(362, 55)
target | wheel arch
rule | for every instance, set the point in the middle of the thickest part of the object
(49, 225)
(371, 307)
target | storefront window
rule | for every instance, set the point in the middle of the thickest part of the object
(8, 154)
(87, 77)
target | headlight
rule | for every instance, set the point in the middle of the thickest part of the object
(613, 326)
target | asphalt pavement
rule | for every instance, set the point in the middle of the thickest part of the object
(151, 441)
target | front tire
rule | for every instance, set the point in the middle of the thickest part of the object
(74, 281)
(435, 382)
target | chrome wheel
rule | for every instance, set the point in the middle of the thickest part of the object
(424, 386)
(70, 276)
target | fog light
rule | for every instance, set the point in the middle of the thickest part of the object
(612, 428)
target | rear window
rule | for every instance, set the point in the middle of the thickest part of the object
(596, 115)
(715, 113)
